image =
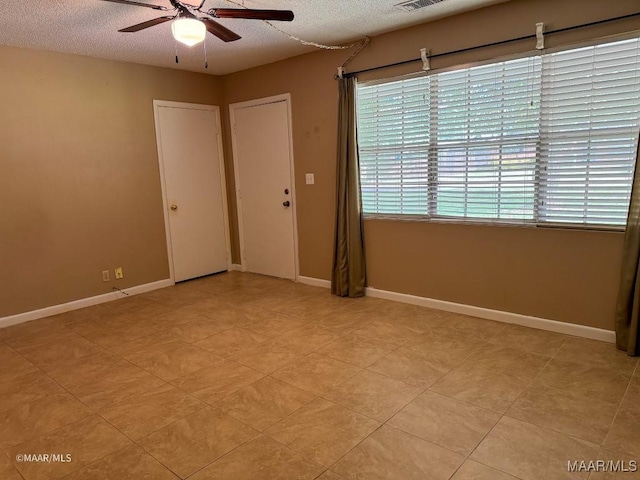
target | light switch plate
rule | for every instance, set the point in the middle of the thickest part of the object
(311, 179)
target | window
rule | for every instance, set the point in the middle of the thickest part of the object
(544, 140)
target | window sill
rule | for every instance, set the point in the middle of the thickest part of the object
(493, 223)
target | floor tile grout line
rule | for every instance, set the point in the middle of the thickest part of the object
(535, 376)
(242, 444)
(376, 419)
(451, 370)
(97, 413)
(518, 476)
(468, 456)
(93, 412)
(563, 434)
(487, 343)
(551, 428)
(206, 405)
(154, 458)
(382, 423)
(115, 353)
(223, 360)
(536, 426)
(320, 396)
(274, 423)
(355, 446)
(404, 381)
(8, 339)
(317, 396)
(615, 416)
(425, 440)
(136, 367)
(161, 329)
(503, 415)
(148, 315)
(466, 402)
(165, 426)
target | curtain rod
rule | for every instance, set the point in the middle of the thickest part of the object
(494, 44)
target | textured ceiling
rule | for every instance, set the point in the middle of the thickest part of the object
(90, 27)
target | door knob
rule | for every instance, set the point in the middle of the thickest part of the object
(174, 207)
(287, 203)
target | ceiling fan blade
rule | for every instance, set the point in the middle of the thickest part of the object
(139, 4)
(220, 31)
(147, 24)
(251, 14)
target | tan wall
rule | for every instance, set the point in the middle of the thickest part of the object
(79, 181)
(566, 275)
(570, 276)
(314, 100)
(80, 193)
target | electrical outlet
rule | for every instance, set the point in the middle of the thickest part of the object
(119, 273)
(310, 178)
(105, 276)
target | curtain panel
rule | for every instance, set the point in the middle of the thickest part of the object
(628, 307)
(348, 278)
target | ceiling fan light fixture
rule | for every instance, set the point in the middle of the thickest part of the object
(188, 31)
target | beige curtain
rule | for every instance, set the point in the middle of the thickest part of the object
(348, 278)
(628, 308)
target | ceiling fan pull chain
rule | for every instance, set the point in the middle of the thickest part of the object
(206, 61)
(176, 46)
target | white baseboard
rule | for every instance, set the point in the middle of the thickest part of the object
(82, 303)
(236, 267)
(314, 282)
(480, 312)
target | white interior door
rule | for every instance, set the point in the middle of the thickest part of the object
(265, 190)
(189, 144)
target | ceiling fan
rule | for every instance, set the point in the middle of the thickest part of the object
(190, 28)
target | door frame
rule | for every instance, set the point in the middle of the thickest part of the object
(157, 104)
(285, 97)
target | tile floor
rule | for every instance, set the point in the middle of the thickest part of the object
(244, 377)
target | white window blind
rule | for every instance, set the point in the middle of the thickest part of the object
(589, 129)
(548, 139)
(393, 125)
(486, 136)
